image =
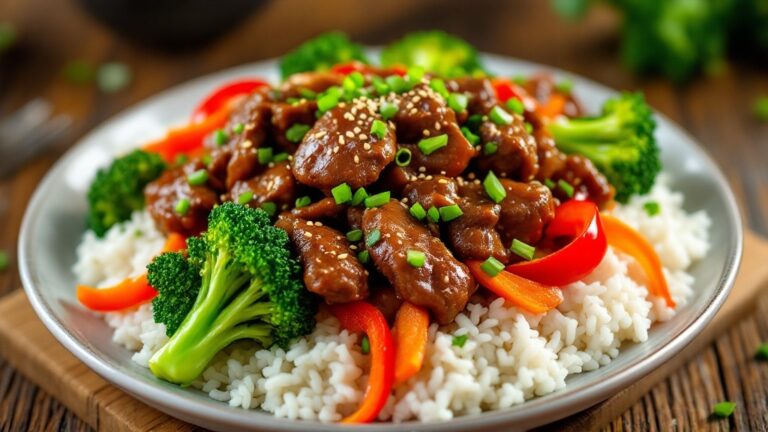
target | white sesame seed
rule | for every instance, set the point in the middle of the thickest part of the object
(425, 132)
(362, 137)
(366, 146)
(349, 134)
(342, 256)
(307, 234)
(341, 139)
(247, 144)
(422, 169)
(356, 130)
(357, 159)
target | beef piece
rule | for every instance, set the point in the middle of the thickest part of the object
(442, 284)
(422, 114)
(551, 160)
(384, 297)
(482, 96)
(586, 180)
(324, 209)
(285, 115)
(275, 185)
(525, 212)
(341, 149)
(473, 235)
(331, 268)
(316, 82)
(395, 178)
(355, 217)
(164, 194)
(542, 87)
(254, 114)
(437, 191)
(515, 156)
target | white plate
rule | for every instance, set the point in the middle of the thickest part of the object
(54, 223)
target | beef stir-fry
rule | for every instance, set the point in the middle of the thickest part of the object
(384, 188)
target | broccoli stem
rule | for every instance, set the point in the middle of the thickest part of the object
(220, 317)
(607, 128)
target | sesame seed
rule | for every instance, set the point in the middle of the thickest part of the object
(341, 139)
(353, 247)
(318, 223)
(356, 130)
(422, 169)
(362, 137)
(349, 134)
(307, 234)
(443, 181)
(335, 149)
(437, 125)
(357, 159)
(342, 256)
(246, 144)
(366, 146)
(426, 132)
(446, 279)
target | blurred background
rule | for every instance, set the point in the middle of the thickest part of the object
(68, 65)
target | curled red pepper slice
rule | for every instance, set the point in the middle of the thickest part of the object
(579, 220)
(362, 317)
(222, 95)
(506, 89)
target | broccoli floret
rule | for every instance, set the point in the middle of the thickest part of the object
(178, 283)
(118, 190)
(436, 52)
(620, 142)
(321, 53)
(250, 288)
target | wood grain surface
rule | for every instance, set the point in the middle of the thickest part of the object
(714, 109)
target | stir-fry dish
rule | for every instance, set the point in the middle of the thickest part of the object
(418, 239)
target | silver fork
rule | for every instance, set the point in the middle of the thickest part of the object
(27, 132)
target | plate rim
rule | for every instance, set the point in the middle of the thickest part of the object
(219, 415)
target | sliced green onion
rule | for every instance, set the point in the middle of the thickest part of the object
(377, 200)
(415, 74)
(327, 102)
(761, 108)
(293, 101)
(238, 128)
(459, 341)
(415, 258)
(269, 207)
(762, 352)
(372, 238)
(303, 201)
(432, 144)
(565, 187)
(365, 345)
(206, 160)
(181, 159)
(490, 148)
(364, 256)
(4, 260)
(349, 84)
(265, 155)
(522, 249)
(652, 208)
(528, 127)
(474, 121)
(515, 105)
(450, 212)
(359, 196)
(492, 266)
(355, 235)
(724, 409)
(494, 188)
(499, 116)
(471, 137)
(220, 137)
(307, 93)
(342, 193)
(379, 85)
(378, 129)
(564, 86)
(388, 109)
(418, 211)
(182, 206)
(403, 157)
(433, 214)
(296, 132)
(79, 72)
(280, 157)
(458, 102)
(398, 84)
(438, 86)
(549, 183)
(198, 177)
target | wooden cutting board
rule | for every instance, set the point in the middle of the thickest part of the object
(32, 350)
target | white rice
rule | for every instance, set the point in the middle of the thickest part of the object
(508, 358)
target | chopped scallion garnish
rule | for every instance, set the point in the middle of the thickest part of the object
(296, 132)
(265, 155)
(471, 137)
(327, 102)
(4, 260)
(182, 206)
(494, 188)
(303, 201)
(565, 187)
(378, 129)
(365, 345)
(724, 409)
(398, 84)
(499, 116)
(490, 148)
(492, 266)
(418, 211)
(372, 238)
(549, 183)
(415, 258)
(388, 109)
(220, 137)
(379, 85)
(564, 86)
(528, 127)
(342, 193)
(515, 105)
(355, 235)
(359, 196)
(432, 144)
(522, 249)
(364, 256)
(198, 177)
(762, 352)
(438, 86)
(269, 207)
(459, 341)
(450, 212)
(458, 102)
(377, 200)
(238, 128)
(433, 214)
(652, 208)
(280, 157)
(403, 157)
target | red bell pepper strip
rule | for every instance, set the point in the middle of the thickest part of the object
(410, 333)
(130, 292)
(581, 221)
(506, 89)
(356, 66)
(360, 316)
(189, 139)
(223, 95)
(628, 241)
(526, 294)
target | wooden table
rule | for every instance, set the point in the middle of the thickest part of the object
(716, 110)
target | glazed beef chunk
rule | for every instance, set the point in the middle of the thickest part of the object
(274, 185)
(340, 148)
(432, 191)
(442, 284)
(331, 268)
(473, 235)
(285, 115)
(482, 97)
(515, 156)
(165, 193)
(525, 212)
(423, 114)
(301, 84)
(254, 115)
(324, 209)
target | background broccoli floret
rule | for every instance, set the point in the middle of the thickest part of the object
(178, 283)
(321, 53)
(436, 52)
(118, 190)
(620, 142)
(249, 287)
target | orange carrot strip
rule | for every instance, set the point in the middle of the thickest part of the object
(526, 294)
(410, 332)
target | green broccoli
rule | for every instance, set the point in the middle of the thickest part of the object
(250, 288)
(321, 53)
(436, 52)
(118, 191)
(177, 281)
(620, 142)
